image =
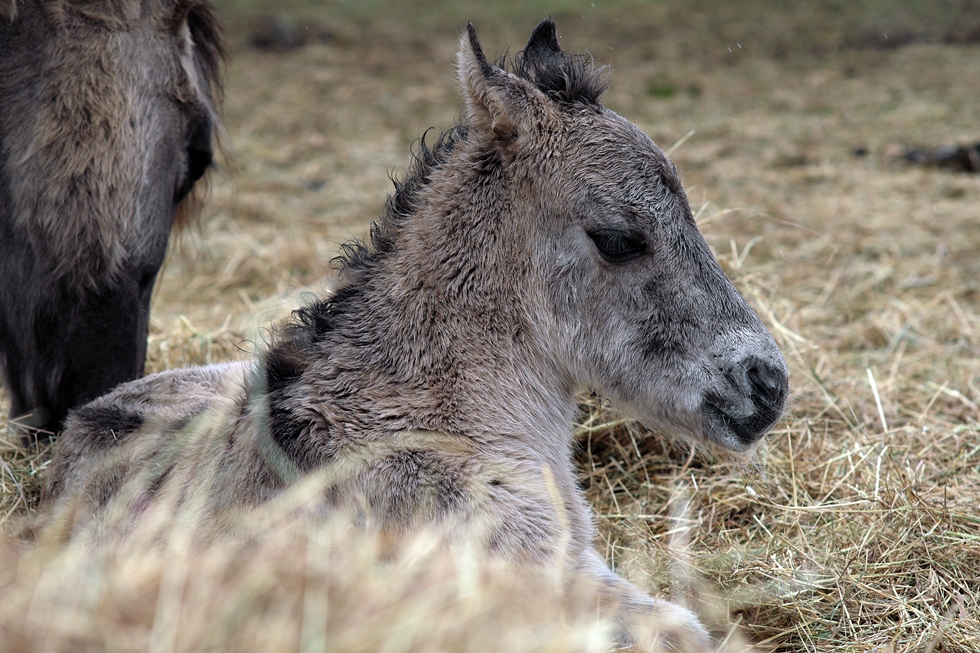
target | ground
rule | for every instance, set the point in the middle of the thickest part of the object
(856, 526)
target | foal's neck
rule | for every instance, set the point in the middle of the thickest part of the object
(452, 338)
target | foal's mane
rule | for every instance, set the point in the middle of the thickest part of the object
(357, 258)
(569, 80)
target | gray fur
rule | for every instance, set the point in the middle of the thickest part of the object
(438, 385)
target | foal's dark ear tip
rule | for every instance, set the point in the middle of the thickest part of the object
(544, 36)
(477, 50)
(471, 35)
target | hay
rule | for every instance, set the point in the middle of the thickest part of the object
(295, 590)
(286, 582)
(855, 527)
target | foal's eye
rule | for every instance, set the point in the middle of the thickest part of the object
(616, 246)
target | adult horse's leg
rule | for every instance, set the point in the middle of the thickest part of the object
(108, 344)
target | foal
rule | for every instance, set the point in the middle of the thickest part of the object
(544, 246)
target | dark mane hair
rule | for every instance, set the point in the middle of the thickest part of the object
(358, 258)
(205, 28)
(574, 80)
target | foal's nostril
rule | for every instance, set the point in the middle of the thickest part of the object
(769, 384)
(750, 405)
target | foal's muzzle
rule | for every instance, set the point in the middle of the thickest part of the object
(754, 403)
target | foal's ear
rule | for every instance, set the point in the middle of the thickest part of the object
(496, 100)
(543, 43)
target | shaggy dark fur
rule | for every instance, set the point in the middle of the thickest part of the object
(110, 424)
(358, 259)
(564, 78)
(96, 167)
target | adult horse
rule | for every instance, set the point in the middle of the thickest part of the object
(544, 246)
(107, 114)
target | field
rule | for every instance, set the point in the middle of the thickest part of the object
(854, 527)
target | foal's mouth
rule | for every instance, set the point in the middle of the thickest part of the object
(738, 433)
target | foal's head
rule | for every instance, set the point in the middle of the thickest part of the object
(629, 298)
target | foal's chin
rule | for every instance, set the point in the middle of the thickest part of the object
(737, 432)
(711, 425)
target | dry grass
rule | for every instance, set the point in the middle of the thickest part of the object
(856, 527)
(292, 590)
